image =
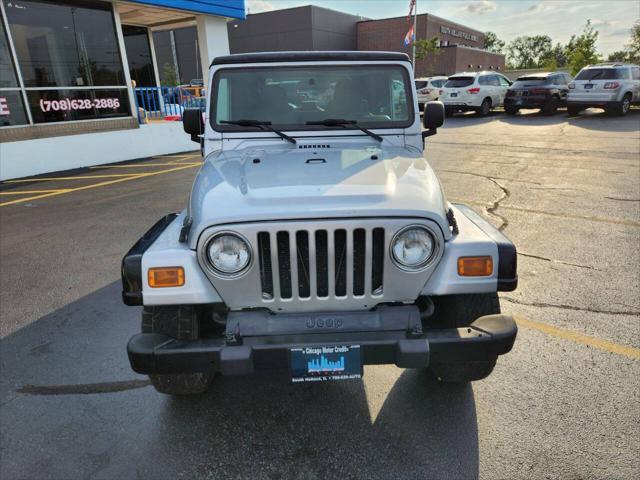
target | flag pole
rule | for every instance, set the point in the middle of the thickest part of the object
(413, 44)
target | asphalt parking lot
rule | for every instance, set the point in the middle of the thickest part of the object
(565, 403)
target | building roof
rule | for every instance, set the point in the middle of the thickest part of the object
(309, 56)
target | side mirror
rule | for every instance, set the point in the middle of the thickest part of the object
(193, 123)
(432, 118)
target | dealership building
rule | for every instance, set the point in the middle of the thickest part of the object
(316, 28)
(87, 82)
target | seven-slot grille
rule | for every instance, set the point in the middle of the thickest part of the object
(321, 263)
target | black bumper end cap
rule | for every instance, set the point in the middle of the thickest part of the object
(503, 331)
(140, 350)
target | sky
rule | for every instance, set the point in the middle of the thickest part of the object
(507, 18)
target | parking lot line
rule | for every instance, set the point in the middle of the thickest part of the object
(24, 192)
(101, 184)
(140, 165)
(51, 179)
(598, 343)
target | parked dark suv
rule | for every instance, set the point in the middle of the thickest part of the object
(546, 91)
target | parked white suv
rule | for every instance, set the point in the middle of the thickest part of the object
(612, 86)
(477, 91)
(428, 89)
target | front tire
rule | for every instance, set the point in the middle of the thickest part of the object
(511, 110)
(182, 323)
(456, 311)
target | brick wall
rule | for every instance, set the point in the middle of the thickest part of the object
(388, 34)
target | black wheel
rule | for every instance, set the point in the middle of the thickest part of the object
(551, 108)
(485, 107)
(455, 311)
(511, 110)
(180, 322)
(572, 111)
(622, 107)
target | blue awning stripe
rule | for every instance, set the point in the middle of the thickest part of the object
(223, 8)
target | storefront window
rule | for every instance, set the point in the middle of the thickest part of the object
(68, 56)
(68, 105)
(8, 77)
(12, 111)
(62, 44)
(136, 42)
(186, 40)
(177, 55)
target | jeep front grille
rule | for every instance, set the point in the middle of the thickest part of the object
(321, 263)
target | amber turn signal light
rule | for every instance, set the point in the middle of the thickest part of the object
(475, 266)
(166, 277)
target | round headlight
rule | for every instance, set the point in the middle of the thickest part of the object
(413, 247)
(229, 254)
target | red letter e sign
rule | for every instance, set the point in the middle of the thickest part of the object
(4, 108)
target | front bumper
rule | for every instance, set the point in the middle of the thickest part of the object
(257, 341)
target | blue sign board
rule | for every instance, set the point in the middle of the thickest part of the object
(222, 8)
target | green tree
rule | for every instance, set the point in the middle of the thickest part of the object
(427, 50)
(556, 57)
(493, 43)
(619, 56)
(633, 47)
(584, 49)
(529, 51)
(169, 75)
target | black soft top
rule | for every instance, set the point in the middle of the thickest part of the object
(340, 56)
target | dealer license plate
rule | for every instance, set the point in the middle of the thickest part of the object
(454, 94)
(588, 86)
(318, 364)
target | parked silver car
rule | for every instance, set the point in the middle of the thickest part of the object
(612, 86)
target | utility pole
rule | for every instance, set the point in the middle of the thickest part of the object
(415, 36)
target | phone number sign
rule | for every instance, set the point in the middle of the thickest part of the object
(66, 104)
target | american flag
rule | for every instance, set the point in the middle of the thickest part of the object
(411, 35)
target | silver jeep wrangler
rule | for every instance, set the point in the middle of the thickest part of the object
(317, 237)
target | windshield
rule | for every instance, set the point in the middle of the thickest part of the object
(375, 96)
(597, 74)
(529, 81)
(459, 82)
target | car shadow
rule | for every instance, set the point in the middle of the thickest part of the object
(72, 408)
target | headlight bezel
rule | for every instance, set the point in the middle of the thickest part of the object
(426, 263)
(221, 273)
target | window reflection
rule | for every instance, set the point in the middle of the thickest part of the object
(136, 42)
(65, 45)
(7, 71)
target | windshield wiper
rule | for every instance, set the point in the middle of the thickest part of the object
(339, 122)
(261, 126)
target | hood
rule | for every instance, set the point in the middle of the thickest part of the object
(279, 183)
